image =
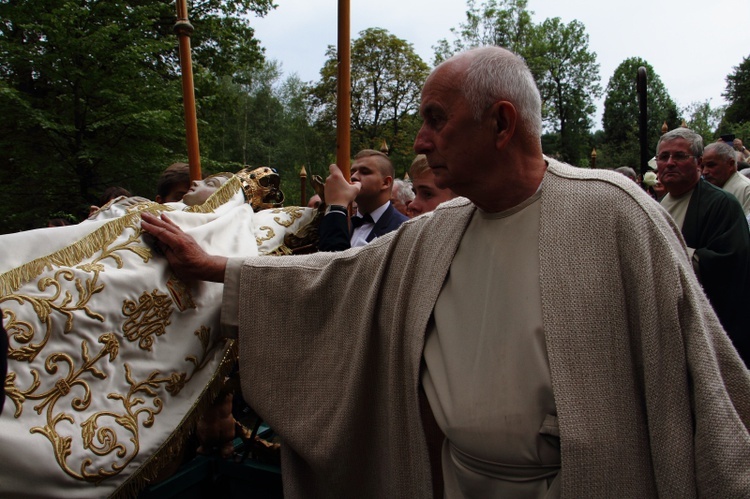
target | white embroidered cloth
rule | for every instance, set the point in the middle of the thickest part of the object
(110, 353)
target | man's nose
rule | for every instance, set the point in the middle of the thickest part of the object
(422, 144)
(414, 208)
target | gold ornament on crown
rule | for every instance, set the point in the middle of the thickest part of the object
(261, 187)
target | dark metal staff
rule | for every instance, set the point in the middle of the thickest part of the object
(643, 118)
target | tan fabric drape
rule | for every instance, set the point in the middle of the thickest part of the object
(651, 396)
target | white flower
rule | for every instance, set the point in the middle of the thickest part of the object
(649, 179)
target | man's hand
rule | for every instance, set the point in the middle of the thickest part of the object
(338, 190)
(187, 259)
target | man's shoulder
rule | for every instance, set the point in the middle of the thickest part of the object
(391, 219)
(707, 189)
(570, 172)
(714, 198)
(397, 215)
(741, 179)
(572, 179)
(738, 184)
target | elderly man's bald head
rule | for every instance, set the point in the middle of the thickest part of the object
(489, 74)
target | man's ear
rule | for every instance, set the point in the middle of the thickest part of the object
(387, 182)
(505, 117)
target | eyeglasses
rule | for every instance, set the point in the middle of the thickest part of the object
(678, 157)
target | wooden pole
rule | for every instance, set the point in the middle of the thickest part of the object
(184, 29)
(344, 97)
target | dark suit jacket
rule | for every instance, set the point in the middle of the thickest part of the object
(715, 225)
(334, 233)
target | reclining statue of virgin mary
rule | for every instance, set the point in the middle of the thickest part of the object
(111, 357)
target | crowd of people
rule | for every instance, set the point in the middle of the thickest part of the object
(550, 332)
(501, 324)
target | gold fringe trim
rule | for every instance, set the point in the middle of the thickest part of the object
(222, 195)
(75, 253)
(173, 445)
(280, 251)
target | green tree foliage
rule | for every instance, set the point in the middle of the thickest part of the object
(262, 122)
(738, 94)
(223, 40)
(504, 23)
(387, 77)
(91, 96)
(703, 119)
(566, 72)
(568, 80)
(621, 111)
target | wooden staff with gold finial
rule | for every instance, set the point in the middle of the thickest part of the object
(183, 29)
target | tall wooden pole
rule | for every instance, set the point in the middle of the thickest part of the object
(344, 98)
(184, 29)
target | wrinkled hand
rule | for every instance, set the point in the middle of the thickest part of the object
(338, 190)
(187, 259)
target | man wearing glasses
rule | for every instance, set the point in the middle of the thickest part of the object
(715, 230)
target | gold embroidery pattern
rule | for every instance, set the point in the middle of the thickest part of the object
(293, 212)
(109, 419)
(62, 300)
(147, 318)
(269, 235)
(141, 404)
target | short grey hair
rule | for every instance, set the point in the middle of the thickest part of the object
(628, 172)
(494, 74)
(696, 141)
(723, 150)
(403, 190)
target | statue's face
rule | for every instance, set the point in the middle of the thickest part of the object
(200, 190)
(261, 187)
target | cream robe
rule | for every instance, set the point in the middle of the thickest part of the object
(738, 186)
(652, 398)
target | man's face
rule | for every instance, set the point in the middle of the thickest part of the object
(396, 201)
(677, 176)
(426, 195)
(455, 144)
(367, 172)
(716, 168)
(200, 190)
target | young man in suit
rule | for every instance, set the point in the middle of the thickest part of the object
(376, 216)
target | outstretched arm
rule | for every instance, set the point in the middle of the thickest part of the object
(187, 259)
